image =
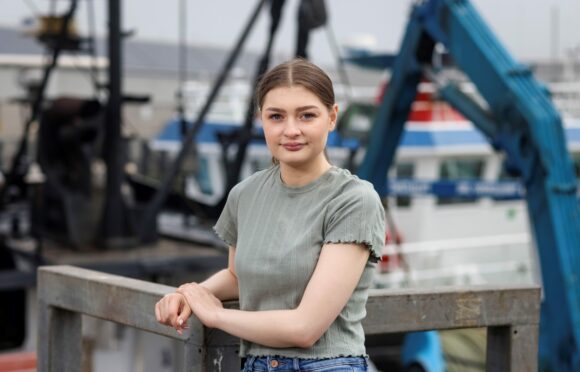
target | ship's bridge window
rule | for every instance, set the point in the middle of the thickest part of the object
(202, 176)
(504, 175)
(459, 169)
(356, 121)
(404, 171)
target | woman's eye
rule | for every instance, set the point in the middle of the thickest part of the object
(275, 117)
(308, 116)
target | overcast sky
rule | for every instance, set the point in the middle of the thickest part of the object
(524, 26)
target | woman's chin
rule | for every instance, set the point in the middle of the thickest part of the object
(299, 159)
(294, 163)
(293, 158)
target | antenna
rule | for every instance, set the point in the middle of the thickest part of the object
(182, 65)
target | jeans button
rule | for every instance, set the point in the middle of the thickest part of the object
(274, 363)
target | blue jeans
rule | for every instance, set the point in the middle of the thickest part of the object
(281, 364)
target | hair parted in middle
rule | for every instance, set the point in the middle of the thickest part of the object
(300, 72)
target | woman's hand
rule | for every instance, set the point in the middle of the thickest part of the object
(202, 302)
(173, 310)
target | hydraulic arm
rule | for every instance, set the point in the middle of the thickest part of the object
(517, 118)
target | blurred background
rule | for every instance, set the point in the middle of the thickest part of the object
(124, 124)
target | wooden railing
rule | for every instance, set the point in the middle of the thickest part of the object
(511, 315)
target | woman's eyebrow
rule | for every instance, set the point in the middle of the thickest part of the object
(304, 108)
(275, 109)
(301, 108)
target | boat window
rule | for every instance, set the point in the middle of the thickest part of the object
(404, 171)
(202, 176)
(504, 175)
(356, 121)
(459, 169)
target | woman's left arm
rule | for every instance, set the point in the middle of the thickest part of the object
(335, 277)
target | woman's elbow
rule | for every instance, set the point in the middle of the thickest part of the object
(305, 335)
(306, 341)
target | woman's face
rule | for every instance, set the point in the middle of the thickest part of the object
(296, 125)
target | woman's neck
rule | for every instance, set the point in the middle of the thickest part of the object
(296, 176)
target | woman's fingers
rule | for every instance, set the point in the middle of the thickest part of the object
(173, 310)
(161, 311)
(157, 314)
(184, 315)
(174, 304)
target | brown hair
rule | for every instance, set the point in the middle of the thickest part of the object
(297, 72)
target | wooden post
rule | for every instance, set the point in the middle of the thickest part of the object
(221, 351)
(210, 350)
(509, 348)
(60, 340)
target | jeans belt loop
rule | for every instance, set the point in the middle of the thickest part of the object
(296, 364)
(251, 361)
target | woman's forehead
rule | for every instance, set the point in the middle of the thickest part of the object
(291, 96)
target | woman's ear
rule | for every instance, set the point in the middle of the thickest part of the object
(333, 116)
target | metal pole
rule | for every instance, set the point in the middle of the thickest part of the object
(182, 67)
(234, 168)
(340, 67)
(148, 225)
(19, 162)
(114, 219)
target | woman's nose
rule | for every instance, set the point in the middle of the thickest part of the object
(291, 129)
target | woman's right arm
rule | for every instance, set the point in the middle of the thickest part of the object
(172, 309)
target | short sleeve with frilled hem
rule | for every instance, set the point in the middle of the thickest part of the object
(357, 216)
(226, 227)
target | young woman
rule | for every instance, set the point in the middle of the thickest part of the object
(303, 237)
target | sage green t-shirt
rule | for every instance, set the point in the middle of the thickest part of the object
(278, 232)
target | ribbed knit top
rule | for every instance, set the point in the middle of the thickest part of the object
(279, 231)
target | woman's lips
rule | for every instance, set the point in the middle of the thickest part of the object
(293, 146)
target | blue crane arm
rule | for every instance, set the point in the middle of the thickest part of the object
(518, 118)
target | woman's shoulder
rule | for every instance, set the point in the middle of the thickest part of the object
(350, 184)
(250, 182)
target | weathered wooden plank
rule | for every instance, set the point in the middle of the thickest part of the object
(222, 350)
(512, 348)
(66, 340)
(219, 353)
(131, 302)
(194, 357)
(60, 340)
(390, 311)
(43, 336)
(105, 296)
